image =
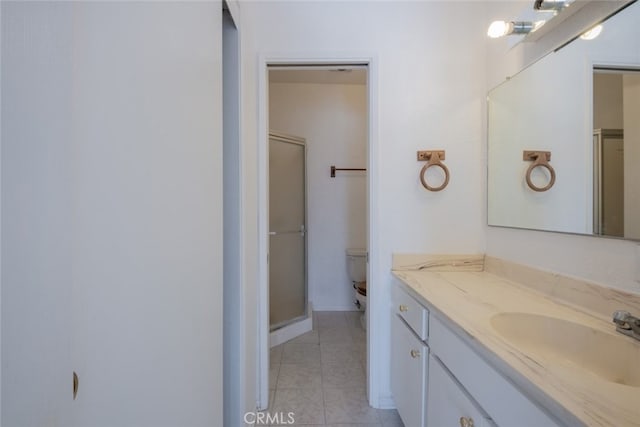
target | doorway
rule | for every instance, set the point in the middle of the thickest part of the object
(616, 151)
(334, 295)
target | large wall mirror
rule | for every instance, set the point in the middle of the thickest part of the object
(564, 137)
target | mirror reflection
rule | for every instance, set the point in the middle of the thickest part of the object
(616, 111)
(581, 105)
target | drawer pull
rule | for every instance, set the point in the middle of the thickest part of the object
(403, 308)
(466, 422)
(415, 353)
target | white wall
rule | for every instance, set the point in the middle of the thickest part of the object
(333, 120)
(431, 95)
(111, 210)
(606, 261)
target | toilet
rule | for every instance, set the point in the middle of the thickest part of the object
(357, 266)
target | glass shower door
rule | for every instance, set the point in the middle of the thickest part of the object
(287, 234)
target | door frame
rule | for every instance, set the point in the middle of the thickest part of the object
(375, 303)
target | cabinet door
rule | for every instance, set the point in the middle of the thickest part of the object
(408, 373)
(449, 405)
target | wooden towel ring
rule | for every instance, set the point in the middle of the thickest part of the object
(434, 160)
(540, 159)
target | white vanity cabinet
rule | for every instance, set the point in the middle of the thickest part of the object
(499, 398)
(438, 380)
(449, 403)
(409, 358)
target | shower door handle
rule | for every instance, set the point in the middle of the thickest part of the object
(283, 233)
(302, 231)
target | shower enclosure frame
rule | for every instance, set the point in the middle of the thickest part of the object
(599, 138)
(279, 332)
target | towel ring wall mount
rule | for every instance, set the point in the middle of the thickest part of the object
(433, 158)
(539, 159)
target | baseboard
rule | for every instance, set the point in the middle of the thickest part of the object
(385, 401)
(293, 330)
(349, 307)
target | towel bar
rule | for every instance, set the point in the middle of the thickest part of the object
(334, 169)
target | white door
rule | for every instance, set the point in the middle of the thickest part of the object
(147, 240)
(111, 214)
(36, 213)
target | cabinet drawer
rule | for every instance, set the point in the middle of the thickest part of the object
(449, 404)
(506, 405)
(409, 365)
(411, 311)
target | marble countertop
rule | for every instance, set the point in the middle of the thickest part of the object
(468, 300)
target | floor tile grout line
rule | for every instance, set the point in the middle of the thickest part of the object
(324, 403)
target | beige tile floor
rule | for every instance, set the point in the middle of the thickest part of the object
(320, 376)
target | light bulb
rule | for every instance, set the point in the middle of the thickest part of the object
(498, 29)
(592, 33)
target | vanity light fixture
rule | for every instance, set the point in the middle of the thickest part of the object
(592, 33)
(550, 5)
(502, 28)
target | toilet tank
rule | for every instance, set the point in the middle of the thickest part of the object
(357, 264)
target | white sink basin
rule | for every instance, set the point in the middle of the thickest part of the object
(610, 357)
